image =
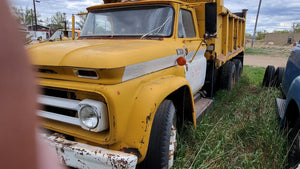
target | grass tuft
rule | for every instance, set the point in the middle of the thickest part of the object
(241, 130)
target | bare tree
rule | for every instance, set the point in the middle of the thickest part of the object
(25, 16)
(82, 19)
(57, 21)
(296, 27)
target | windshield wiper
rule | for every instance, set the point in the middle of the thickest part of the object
(158, 28)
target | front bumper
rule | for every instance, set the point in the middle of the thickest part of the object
(84, 156)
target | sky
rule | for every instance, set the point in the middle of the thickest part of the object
(274, 14)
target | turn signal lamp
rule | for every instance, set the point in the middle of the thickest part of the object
(181, 61)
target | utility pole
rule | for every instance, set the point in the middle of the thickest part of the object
(254, 33)
(65, 21)
(35, 16)
(31, 19)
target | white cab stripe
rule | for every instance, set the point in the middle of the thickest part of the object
(140, 69)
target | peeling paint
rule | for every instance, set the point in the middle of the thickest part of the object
(134, 151)
(114, 122)
(172, 145)
(84, 156)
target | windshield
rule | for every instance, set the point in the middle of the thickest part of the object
(137, 21)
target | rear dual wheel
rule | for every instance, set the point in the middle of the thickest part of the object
(228, 76)
(238, 69)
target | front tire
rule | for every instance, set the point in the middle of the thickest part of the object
(294, 142)
(162, 134)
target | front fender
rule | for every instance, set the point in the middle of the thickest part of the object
(293, 95)
(149, 97)
(294, 91)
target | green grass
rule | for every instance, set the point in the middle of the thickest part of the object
(241, 130)
(274, 51)
(255, 51)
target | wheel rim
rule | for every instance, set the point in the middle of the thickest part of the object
(233, 80)
(172, 146)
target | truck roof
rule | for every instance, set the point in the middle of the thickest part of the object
(117, 3)
(129, 3)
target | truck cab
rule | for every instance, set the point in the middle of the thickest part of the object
(115, 97)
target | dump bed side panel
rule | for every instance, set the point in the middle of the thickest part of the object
(230, 37)
(230, 40)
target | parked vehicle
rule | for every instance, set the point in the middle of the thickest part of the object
(59, 34)
(289, 108)
(288, 81)
(116, 96)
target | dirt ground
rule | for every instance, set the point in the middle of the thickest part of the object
(264, 54)
(264, 61)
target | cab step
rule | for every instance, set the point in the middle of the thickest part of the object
(202, 105)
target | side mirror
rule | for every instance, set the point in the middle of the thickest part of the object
(210, 20)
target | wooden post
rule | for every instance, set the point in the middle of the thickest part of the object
(73, 26)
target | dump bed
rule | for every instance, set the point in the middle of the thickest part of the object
(229, 40)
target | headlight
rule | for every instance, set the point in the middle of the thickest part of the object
(88, 117)
(93, 115)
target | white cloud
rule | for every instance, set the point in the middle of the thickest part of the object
(274, 14)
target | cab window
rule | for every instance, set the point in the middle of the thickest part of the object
(186, 28)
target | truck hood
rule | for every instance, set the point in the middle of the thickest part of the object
(99, 53)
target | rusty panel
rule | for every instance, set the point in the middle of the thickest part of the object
(84, 156)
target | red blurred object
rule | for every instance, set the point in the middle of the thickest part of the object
(181, 61)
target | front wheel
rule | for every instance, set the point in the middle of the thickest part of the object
(294, 141)
(162, 143)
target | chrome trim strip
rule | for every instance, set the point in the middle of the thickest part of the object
(59, 117)
(59, 102)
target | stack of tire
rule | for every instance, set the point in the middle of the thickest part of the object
(272, 77)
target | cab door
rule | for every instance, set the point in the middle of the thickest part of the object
(195, 68)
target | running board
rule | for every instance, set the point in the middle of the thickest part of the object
(202, 105)
(280, 106)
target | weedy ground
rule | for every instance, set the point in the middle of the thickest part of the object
(269, 50)
(240, 131)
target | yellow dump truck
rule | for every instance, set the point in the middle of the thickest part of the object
(115, 97)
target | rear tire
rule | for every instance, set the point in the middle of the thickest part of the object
(162, 132)
(268, 77)
(228, 76)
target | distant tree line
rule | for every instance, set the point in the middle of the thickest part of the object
(26, 16)
(261, 34)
